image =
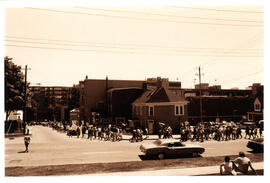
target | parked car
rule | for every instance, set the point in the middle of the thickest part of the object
(257, 145)
(170, 147)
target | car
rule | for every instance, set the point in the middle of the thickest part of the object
(163, 148)
(257, 145)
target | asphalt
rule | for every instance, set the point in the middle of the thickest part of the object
(198, 171)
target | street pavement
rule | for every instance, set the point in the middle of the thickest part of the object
(49, 147)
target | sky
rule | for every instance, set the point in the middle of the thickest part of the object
(63, 45)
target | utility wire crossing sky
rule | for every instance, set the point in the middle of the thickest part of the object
(63, 45)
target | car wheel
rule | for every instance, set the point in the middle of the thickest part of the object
(195, 154)
(161, 156)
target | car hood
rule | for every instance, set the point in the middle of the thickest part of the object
(148, 146)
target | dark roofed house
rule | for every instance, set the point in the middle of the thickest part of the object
(257, 110)
(161, 104)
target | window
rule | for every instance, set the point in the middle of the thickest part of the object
(176, 110)
(179, 110)
(257, 107)
(250, 117)
(151, 110)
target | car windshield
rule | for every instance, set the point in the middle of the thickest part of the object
(157, 142)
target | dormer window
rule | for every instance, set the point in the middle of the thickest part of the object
(257, 107)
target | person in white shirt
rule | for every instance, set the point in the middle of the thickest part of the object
(242, 163)
(227, 167)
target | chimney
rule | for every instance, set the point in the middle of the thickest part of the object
(162, 82)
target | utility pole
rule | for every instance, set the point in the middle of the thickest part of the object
(200, 88)
(25, 97)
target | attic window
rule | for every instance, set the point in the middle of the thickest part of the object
(257, 107)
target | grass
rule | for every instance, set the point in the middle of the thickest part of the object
(79, 169)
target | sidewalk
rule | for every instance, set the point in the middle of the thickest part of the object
(198, 171)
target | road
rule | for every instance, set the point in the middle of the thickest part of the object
(49, 147)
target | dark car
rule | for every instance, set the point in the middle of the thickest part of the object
(170, 147)
(257, 145)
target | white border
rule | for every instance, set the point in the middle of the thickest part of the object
(68, 3)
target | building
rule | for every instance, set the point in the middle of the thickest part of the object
(119, 102)
(93, 95)
(257, 108)
(161, 104)
(218, 108)
(202, 86)
(112, 99)
(52, 103)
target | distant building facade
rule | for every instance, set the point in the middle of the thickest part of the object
(113, 98)
(52, 103)
(93, 95)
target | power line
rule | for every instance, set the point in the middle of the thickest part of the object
(145, 19)
(244, 44)
(166, 15)
(113, 47)
(250, 74)
(132, 45)
(114, 51)
(217, 59)
(212, 9)
(223, 57)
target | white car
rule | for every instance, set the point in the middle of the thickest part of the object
(171, 147)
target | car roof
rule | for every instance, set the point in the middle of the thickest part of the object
(168, 140)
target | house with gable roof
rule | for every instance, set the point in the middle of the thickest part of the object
(161, 105)
(257, 110)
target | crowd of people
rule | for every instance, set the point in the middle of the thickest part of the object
(200, 132)
(203, 132)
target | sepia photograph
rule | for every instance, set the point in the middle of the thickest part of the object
(168, 90)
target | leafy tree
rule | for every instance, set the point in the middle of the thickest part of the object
(14, 87)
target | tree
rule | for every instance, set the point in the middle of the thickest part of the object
(14, 87)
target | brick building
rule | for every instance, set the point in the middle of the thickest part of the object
(93, 95)
(161, 104)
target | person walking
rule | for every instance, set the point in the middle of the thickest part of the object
(247, 132)
(83, 130)
(146, 132)
(78, 131)
(27, 140)
(239, 133)
(261, 130)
